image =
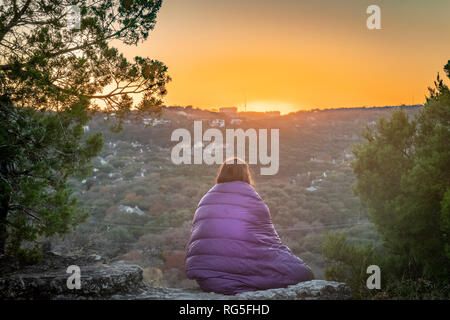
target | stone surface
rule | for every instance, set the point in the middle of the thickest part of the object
(309, 290)
(123, 281)
(97, 281)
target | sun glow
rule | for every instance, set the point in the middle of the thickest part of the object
(292, 55)
(264, 106)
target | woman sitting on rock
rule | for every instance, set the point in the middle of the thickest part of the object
(233, 246)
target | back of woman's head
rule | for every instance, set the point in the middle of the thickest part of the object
(234, 169)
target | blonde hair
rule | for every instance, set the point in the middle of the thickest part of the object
(234, 169)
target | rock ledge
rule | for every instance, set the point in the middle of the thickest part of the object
(309, 290)
(122, 281)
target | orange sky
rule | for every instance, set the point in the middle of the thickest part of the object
(291, 54)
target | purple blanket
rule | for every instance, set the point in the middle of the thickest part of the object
(234, 247)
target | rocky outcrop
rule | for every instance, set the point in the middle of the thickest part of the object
(122, 281)
(97, 281)
(309, 290)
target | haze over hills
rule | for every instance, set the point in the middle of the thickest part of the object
(141, 204)
(243, 110)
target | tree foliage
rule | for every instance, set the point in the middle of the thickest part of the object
(36, 160)
(403, 178)
(52, 77)
(47, 65)
(348, 263)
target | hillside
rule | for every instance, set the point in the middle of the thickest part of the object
(141, 204)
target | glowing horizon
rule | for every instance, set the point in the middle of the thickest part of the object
(291, 55)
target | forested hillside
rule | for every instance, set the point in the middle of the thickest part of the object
(141, 205)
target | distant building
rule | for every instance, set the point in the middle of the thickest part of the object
(113, 174)
(157, 122)
(112, 144)
(154, 121)
(321, 158)
(141, 174)
(228, 110)
(217, 123)
(175, 108)
(348, 155)
(102, 161)
(315, 159)
(272, 113)
(128, 209)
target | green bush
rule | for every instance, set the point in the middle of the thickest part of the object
(347, 263)
(28, 256)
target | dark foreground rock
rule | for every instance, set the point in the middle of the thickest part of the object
(122, 281)
(309, 290)
(97, 281)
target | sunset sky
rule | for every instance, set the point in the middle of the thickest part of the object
(291, 54)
